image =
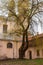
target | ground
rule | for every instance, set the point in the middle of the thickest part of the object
(22, 62)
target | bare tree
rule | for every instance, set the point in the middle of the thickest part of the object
(26, 10)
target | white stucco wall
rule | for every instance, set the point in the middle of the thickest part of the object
(9, 52)
(34, 53)
(10, 26)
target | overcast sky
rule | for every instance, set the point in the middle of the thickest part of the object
(2, 2)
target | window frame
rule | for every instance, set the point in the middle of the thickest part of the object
(5, 26)
(9, 45)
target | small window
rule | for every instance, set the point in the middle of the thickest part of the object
(9, 45)
(4, 28)
(42, 52)
(38, 54)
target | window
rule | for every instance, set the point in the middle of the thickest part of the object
(4, 28)
(38, 54)
(9, 45)
(42, 52)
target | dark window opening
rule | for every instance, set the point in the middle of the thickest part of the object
(4, 28)
(42, 52)
(38, 54)
(30, 54)
(9, 45)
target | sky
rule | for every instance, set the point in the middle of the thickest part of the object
(2, 2)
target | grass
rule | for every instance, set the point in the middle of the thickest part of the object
(22, 62)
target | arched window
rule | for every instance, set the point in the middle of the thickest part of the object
(9, 45)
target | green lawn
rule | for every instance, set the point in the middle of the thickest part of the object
(22, 62)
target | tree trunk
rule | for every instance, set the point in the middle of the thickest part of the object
(24, 46)
(21, 48)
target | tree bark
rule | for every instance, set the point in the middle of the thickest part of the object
(24, 45)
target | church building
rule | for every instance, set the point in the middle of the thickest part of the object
(9, 47)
